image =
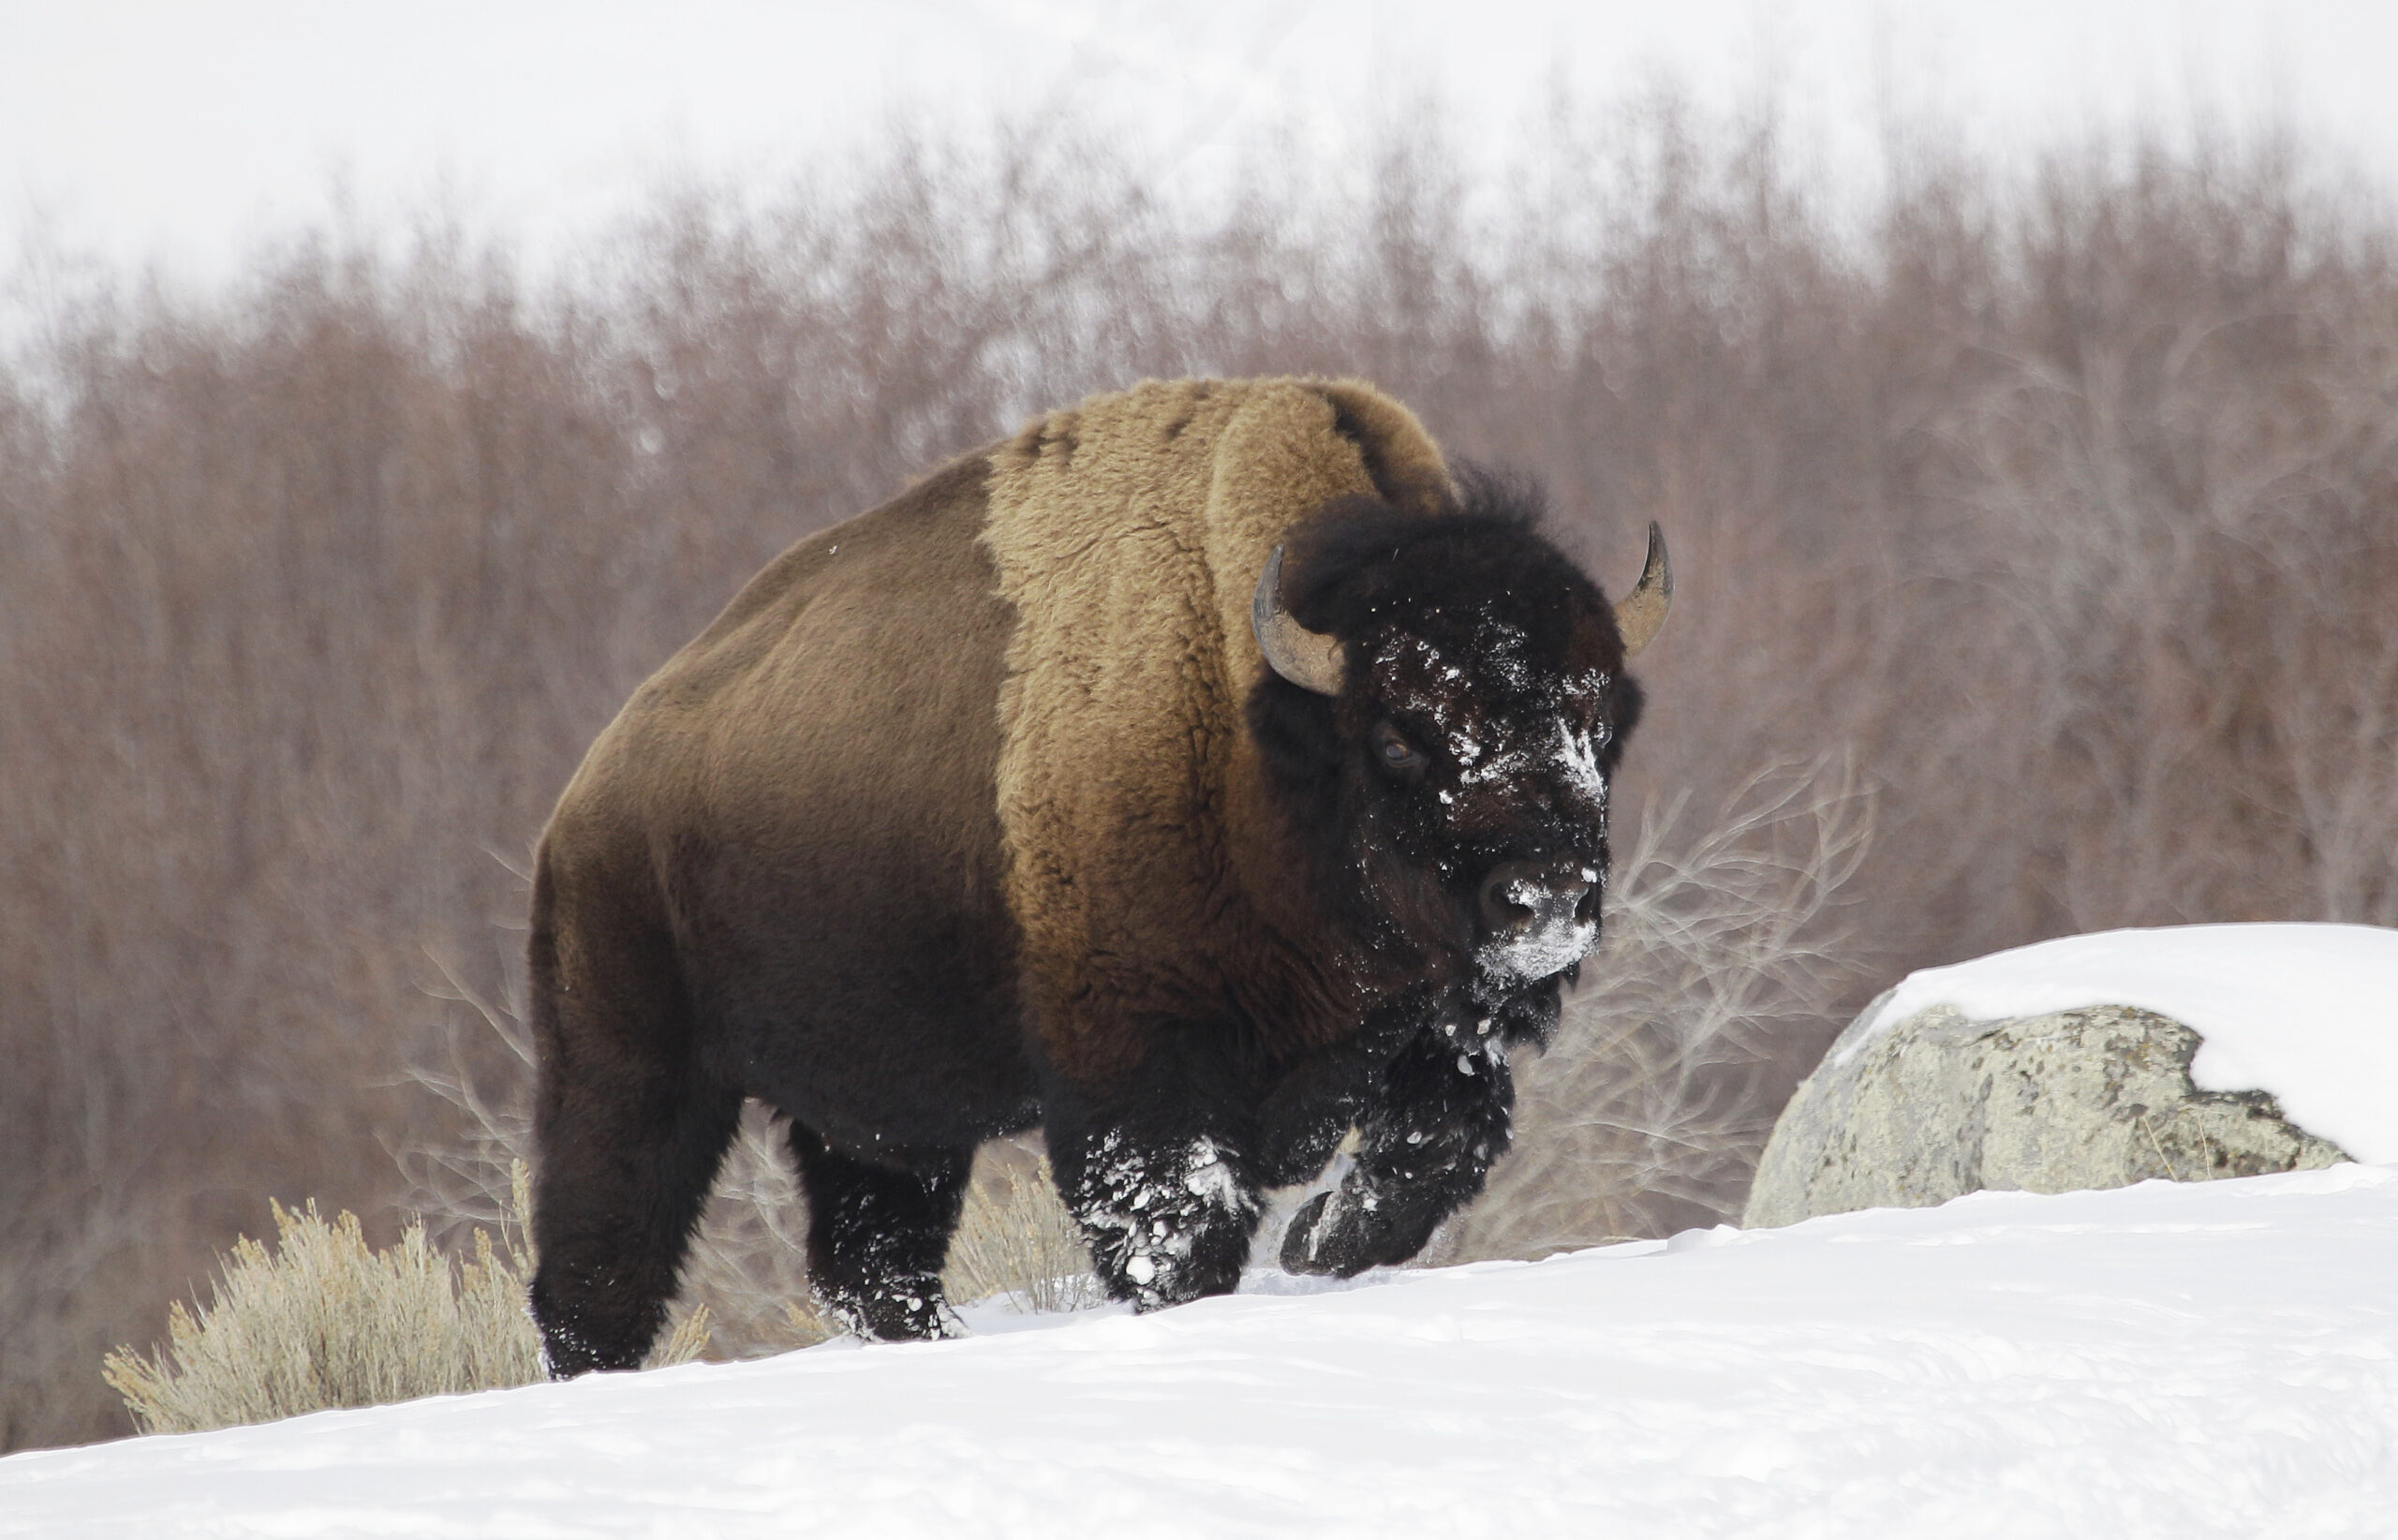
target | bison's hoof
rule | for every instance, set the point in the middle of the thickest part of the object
(1338, 1235)
(1306, 1246)
(903, 1313)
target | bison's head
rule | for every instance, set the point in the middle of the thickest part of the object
(1447, 708)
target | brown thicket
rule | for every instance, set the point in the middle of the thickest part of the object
(2060, 509)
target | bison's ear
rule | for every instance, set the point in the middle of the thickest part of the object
(1309, 660)
(1641, 613)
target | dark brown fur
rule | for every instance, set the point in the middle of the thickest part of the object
(777, 875)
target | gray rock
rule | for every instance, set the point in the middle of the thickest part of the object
(1938, 1106)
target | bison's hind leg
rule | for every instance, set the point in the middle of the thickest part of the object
(877, 1234)
(627, 1129)
(613, 1216)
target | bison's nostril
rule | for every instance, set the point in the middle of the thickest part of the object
(1521, 896)
(1503, 906)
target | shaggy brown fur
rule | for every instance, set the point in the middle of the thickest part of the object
(983, 809)
(1129, 532)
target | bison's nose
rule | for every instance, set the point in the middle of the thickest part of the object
(1528, 898)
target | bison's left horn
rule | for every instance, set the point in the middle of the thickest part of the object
(1640, 612)
(1309, 660)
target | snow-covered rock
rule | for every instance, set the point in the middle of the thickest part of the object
(1938, 1106)
(2190, 1053)
(2159, 1361)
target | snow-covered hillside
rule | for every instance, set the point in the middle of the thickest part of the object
(2216, 1359)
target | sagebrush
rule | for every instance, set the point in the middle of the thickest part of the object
(1016, 1241)
(319, 1320)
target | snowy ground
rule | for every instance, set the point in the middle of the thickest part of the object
(2216, 1359)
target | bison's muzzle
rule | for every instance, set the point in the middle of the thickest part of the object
(1538, 918)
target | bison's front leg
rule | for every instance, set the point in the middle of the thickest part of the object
(1167, 1221)
(1161, 1178)
(1440, 1120)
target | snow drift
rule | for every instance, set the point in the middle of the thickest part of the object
(2156, 1360)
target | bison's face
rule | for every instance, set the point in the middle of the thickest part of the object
(1486, 768)
(1449, 709)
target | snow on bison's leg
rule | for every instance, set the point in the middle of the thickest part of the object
(1159, 1172)
(1441, 1119)
(1167, 1221)
(877, 1236)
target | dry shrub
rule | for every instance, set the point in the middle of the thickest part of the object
(1017, 1242)
(2059, 505)
(322, 1320)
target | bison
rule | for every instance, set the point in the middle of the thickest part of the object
(1203, 772)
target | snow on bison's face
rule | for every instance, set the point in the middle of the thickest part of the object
(1460, 710)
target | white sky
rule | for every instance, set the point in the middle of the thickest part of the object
(187, 131)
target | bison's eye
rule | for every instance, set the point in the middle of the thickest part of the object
(1392, 747)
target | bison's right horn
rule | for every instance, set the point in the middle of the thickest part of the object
(1309, 660)
(1640, 612)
